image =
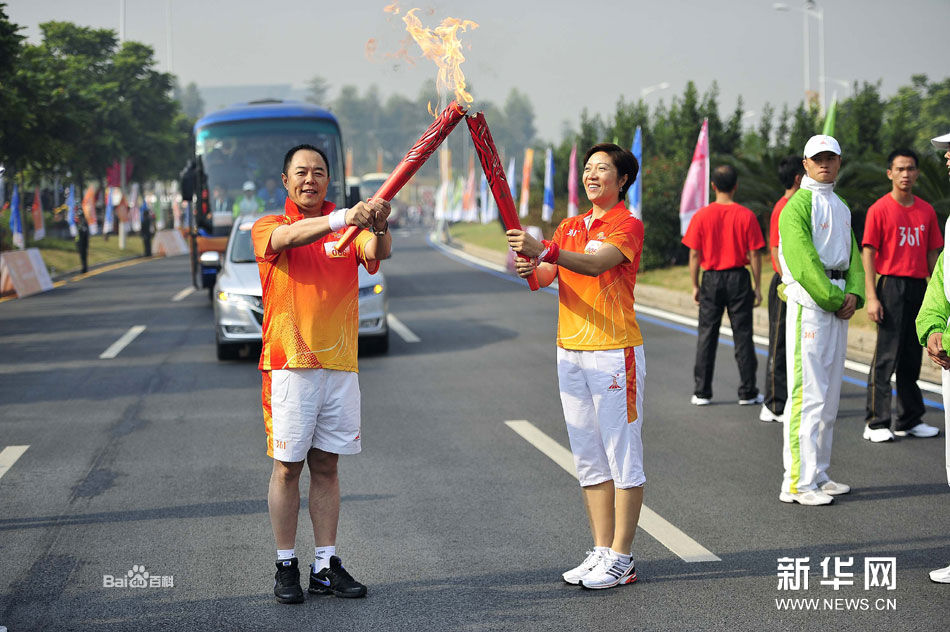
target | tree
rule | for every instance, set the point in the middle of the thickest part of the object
(318, 91)
(190, 101)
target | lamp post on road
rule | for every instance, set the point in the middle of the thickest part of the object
(811, 9)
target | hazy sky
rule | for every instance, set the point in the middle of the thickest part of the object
(564, 55)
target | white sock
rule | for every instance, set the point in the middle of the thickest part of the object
(620, 557)
(285, 554)
(321, 556)
(601, 549)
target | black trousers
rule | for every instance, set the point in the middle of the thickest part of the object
(897, 350)
(776, 383)
(730, 290)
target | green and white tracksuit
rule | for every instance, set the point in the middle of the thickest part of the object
(815, 244)
(934, 317)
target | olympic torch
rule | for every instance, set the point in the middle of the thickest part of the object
(430, 140)
(495, 174)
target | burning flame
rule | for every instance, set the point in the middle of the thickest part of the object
(443, 46)
(392, 8)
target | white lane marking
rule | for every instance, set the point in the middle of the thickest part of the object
(9, 456)
(688, 549)
(122, 342)
(858, 367)
(188, 291)
(404, 332)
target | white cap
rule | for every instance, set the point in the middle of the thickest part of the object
(820, 143)
(249, 186)
(941, 142)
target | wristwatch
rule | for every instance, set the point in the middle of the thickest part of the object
(380, 233)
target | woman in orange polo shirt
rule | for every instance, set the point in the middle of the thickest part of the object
(600, 359)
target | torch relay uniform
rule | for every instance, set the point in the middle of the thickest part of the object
(601, 369)
(310, 394)
(820, 265)
(934, 317)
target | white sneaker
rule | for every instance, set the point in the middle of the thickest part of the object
(695, 400)
(878, 435)
(610, 572)
(576, 574)
(921, 431)
(941, 575)
(767, 415)
(834, 489)
(812, 497)
(758, 399)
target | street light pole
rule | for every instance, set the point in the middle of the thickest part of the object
(644, 92)
(811, 8)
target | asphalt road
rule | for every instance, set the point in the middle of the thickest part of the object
(156, 458)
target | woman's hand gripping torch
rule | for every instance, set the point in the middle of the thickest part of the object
(427, 144)
(497, 182)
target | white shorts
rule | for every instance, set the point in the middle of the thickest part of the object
(311, 408)
(602, 397)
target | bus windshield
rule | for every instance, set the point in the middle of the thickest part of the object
(242, 161)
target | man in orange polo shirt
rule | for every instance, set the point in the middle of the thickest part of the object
(790, 173)
(723, 238)
(901, 244)
(311, 395)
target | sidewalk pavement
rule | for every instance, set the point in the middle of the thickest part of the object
(861, 342)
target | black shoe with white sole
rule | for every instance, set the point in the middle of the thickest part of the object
(335, 580)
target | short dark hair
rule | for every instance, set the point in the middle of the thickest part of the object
(293, 150)
(788, 168)
(902, 151)
(624, 162)
(725, 178)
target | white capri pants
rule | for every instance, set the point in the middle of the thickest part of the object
(602, 397)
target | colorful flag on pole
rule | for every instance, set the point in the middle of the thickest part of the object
(830, 117)
(634, 195)
(89, 209)
(16, 225)
(71, 210)
(39, 227)
(108, 223)
(696, 189)
(469, 207)
(526, 181)
(511, 177)
(572, 201)
(547, 205)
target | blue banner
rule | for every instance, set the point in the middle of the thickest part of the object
(635, 194)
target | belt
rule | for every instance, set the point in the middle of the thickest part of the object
(836, 274)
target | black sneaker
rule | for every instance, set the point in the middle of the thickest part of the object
(336, 580)
(287, 582)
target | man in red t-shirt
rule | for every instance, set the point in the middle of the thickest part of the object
(790, 172)
(723, 238)
(901, 243)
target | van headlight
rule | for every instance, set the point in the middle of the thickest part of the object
(254, 302)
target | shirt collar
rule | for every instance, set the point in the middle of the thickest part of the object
(618, 210)
(291, 210)
(818, 187)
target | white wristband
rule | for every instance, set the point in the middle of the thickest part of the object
(337, 219)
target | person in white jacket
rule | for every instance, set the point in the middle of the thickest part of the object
(823, 281)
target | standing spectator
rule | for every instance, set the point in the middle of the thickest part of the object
(146, 230)
(248, 202)
(934, 333)
(82, 238)
(723, 238)
(823, 278)
(901, 243)
(790, 172)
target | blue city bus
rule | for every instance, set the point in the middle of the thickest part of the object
(239, 153)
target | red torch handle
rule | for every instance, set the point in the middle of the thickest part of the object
(415, 158)
(497, 182)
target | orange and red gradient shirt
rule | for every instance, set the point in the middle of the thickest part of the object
(597, 312)
(311, 297)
